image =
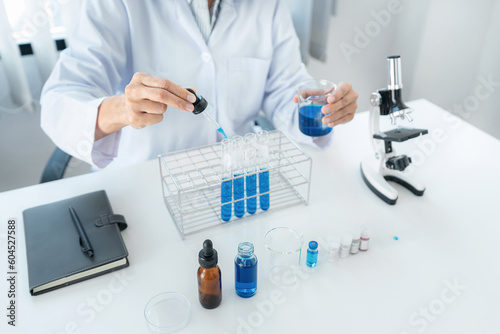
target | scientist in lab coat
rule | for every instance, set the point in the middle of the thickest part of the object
(116, 96)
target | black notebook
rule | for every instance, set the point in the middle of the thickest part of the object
(57, 247)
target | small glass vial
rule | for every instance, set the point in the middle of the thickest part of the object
(312, 254)
(356, 234)
(333, 250)
(209, 277)
(245, 270)
(345, 245)
(365, 239)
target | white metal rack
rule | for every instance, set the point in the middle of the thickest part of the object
(191, 181)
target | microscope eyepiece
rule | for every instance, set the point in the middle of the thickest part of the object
(394, 77)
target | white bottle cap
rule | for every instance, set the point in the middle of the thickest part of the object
(356, 233)
(366, 233)
(334, 243)
(346, 239)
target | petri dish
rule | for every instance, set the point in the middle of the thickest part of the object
(284, 250)
(167, 312)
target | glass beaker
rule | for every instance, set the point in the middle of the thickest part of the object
(284, 249)
(312, 96)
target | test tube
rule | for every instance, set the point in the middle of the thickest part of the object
(263, 165)
(250, 170)
(226, 189)
(239, 177)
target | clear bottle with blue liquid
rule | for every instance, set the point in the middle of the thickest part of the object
(245, 270)
(312, 254)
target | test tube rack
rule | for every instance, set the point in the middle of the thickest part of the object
(191, 182)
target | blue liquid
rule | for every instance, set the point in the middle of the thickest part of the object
(251, 191)
(226, 192)
(239, 192)
(310, 121)
(264, 187)
(222, 132)
(312, 258)
(245, 273)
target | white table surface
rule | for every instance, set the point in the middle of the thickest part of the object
(450, 236)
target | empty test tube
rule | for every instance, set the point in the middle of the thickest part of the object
(250, 171)
(226, 186)
(238, 171)
(263, 165)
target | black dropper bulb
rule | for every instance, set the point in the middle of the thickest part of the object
(207, 257)
(200, 104)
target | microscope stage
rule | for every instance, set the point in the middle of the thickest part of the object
(400, 134)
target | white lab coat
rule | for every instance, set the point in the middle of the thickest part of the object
(251, 63)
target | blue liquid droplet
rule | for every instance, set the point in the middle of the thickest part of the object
(222, 132)
(396, 238)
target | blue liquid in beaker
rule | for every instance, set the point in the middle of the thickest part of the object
(251, 191)
(245, 276)
(226, 192)
(239, 192)
(310, 121)
(264, 187)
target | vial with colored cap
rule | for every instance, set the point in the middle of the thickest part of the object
(365, 239)
(312, 254)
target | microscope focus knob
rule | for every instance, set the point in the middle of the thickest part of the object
(375, 99)
(398, 163)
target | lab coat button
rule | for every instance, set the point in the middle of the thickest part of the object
(206, 57)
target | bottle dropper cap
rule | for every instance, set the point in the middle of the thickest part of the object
(200, 104)
(313, 245)
(207, 257)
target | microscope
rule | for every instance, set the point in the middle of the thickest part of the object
(384, 166)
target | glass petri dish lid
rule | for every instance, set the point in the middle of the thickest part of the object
(167, 312)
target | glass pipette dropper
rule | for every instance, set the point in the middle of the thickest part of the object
(201, 106)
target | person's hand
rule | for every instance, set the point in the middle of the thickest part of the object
(342, 105)
(145, 101)
(147, 98)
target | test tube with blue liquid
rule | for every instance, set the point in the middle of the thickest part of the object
(226, 186)
(251, 170)
(239, 177)
(263, 165)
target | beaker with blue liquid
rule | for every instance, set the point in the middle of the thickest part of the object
(313, 96)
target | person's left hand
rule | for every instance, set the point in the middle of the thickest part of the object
(342, 105)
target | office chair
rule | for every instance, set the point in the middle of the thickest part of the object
(55, 168)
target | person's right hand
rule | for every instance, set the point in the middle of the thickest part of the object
(145, 101)
(147, 98)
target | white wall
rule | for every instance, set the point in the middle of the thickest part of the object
(445, 45)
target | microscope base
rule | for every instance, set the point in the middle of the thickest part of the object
(379, 185)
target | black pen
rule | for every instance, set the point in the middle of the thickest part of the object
(87, 247)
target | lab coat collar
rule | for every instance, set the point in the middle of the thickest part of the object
(227, 15)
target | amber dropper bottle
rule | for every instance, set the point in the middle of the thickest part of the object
(209, 277)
